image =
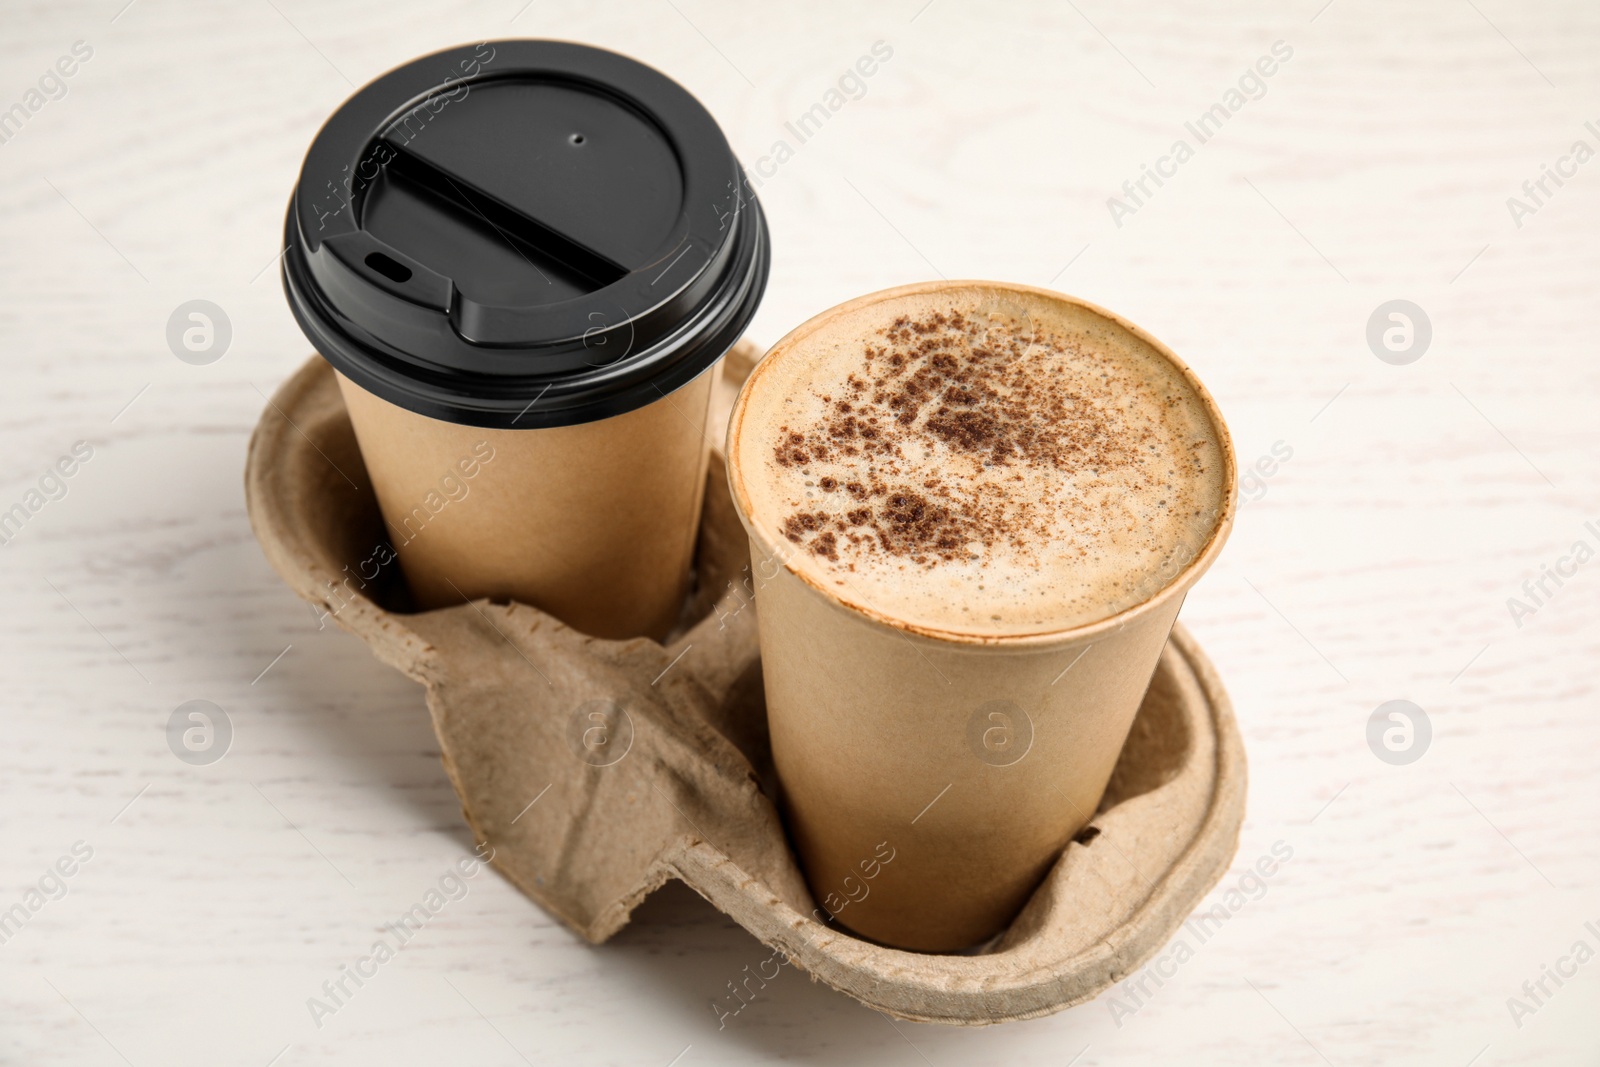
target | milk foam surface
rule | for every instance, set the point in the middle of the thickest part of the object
(980, 461)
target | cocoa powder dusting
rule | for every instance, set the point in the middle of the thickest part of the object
(942, 415)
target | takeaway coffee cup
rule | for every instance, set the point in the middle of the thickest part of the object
(974, 511)
(524, 259)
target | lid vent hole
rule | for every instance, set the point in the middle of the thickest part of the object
(576, 138)
(389, 268)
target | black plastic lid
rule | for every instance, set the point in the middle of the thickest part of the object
(523, 234)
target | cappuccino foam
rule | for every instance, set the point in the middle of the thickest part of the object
(981, 461)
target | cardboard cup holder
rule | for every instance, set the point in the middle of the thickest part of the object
(682, 786)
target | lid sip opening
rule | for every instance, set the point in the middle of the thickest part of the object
(527, 233)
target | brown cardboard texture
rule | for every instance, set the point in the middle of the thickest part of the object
(598, 769)
(594, 523)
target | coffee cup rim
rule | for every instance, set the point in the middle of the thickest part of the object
(1175, 587)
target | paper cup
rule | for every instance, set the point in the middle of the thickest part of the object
(594, 523)
(525, 260)
(929, 780)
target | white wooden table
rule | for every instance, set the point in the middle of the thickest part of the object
(1375, 165)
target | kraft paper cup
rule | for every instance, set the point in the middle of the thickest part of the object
(525, 259)
(594, 523)
(929, 779)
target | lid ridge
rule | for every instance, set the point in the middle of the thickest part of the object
(523, 233)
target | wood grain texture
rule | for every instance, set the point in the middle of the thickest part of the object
(1376, 565)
